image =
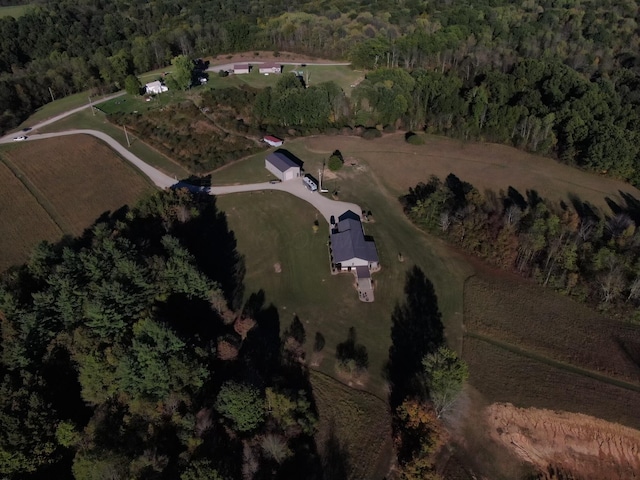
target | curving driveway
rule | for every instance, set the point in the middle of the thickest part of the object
(324, 205)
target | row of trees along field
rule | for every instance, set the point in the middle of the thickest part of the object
(587, 57)
(125, 355)
(574, 249)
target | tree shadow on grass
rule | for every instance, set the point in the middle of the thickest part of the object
(416, 330)
(335, 460)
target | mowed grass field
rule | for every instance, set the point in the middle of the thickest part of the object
(540, 348)
(67, 183)
(14, 11)
(399, 166)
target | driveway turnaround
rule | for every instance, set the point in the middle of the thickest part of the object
(326, 206)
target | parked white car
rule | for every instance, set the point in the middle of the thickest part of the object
(19, 139)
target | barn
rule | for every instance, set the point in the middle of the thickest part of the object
(267, 68)
(282, 165)
(241, 68)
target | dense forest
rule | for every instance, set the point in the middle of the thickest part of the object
(470, 68)
(572, 248)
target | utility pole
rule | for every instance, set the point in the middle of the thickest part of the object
(51, 93)
(126, 135)
(320, 175)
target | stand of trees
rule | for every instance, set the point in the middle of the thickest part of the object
(574, 249)
(110, 368)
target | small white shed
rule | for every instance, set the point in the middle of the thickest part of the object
(282, 166)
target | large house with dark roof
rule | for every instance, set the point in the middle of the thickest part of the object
(350, 249)
(283, 165)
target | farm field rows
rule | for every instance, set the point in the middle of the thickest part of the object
(24, 221)
(513, 311)
(73, 180)
(504, 376)
(345, 448)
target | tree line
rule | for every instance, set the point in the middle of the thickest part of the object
(573, 248)
(70, 46)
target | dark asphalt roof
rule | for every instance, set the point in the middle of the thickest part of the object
(281, 161)
(348, 242)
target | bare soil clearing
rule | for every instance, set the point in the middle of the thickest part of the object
(582, 446)
(485, 165)
(24, 221)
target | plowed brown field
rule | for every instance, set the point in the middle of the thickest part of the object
(59, 186)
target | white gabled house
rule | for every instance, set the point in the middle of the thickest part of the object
(269, 67)
(241, 68)
(156, 88)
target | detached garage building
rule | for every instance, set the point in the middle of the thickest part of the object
(241, 68)
(282, 166)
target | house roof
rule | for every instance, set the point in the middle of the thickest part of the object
(156, 84)
(241, 66)
(270, 65)
(272, 138)
(348, 242)
(281, 161)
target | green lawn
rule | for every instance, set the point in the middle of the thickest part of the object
(14, 11)
(98, 122)
(327, 303)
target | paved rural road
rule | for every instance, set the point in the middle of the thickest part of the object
(229, 66)
(326, 206)
(32, 128)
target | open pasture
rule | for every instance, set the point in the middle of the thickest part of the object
(14, 11)
(486, 166)
(80, 177)
(24, 221)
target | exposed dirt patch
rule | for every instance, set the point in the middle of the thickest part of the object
(277, 267)
(582, 446)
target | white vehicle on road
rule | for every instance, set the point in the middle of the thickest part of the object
(19, 139)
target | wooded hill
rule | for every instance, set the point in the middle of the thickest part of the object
(471, 76)
(125, 354)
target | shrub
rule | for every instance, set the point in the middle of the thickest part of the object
(335, 163)
(414, 139)
(389, 128)
(223, 73)
(371, 133)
